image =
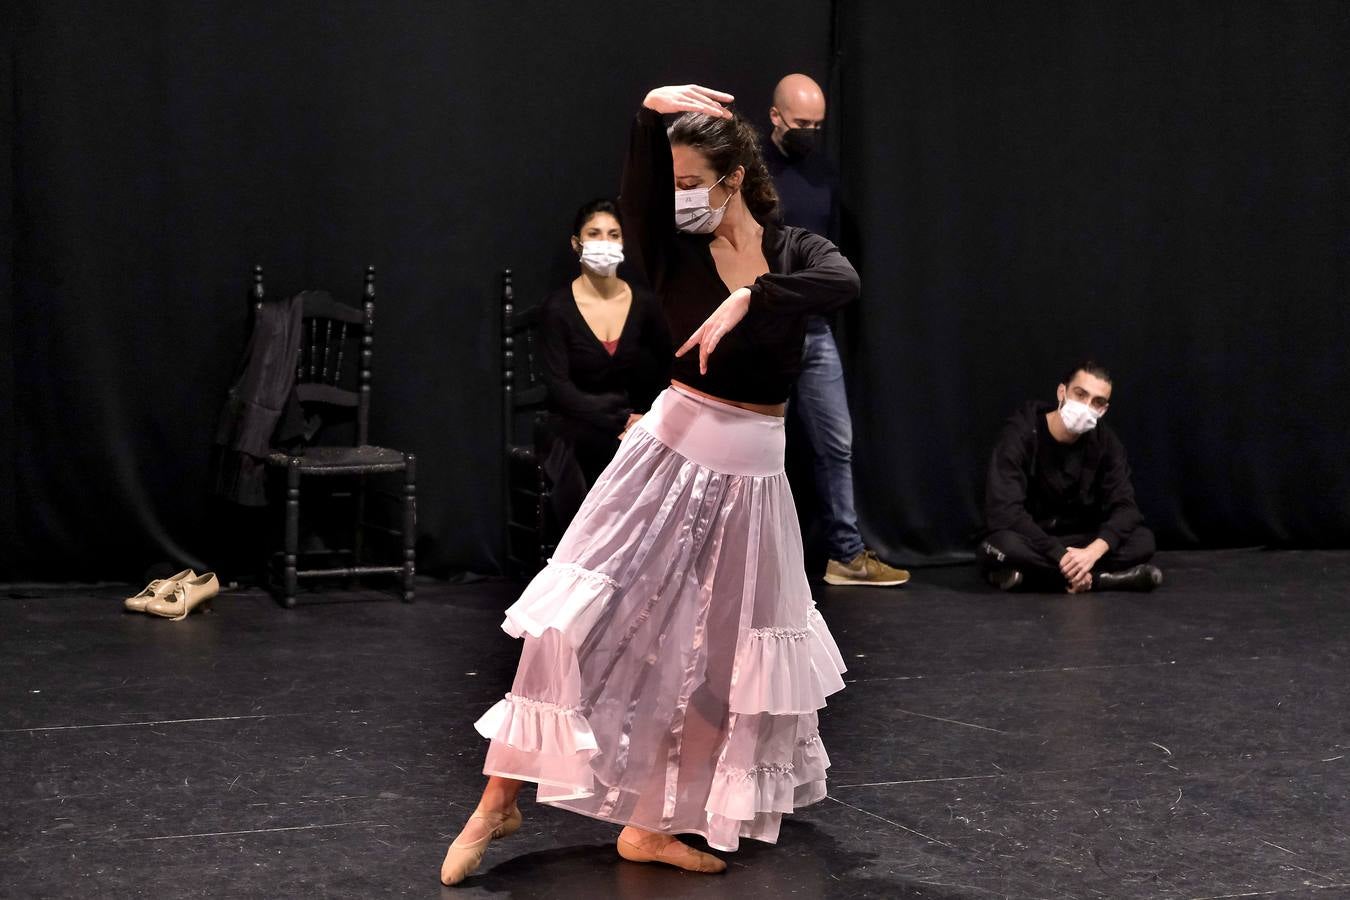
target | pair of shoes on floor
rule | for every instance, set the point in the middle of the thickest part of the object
(1142, 578)
(866, 569)
(176, 596)
(462, 859)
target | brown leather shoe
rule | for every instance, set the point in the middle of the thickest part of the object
(156, 590)
(864, 568)
(187, 595)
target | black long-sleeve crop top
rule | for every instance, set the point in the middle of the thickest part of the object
(757, 361)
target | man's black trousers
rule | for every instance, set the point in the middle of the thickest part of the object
(1010, 550)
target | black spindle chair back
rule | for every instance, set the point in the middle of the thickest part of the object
(334, 337)
(527, 539)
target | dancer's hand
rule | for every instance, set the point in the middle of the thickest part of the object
(688, 98)
(633, 419)
(714, 328)
(1080, 586)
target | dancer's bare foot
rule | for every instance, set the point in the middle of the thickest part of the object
(466, 851)
(639, 845)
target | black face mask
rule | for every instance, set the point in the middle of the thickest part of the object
(799, 143)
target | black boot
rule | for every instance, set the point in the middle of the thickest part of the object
(1003, 579)
(1143, 577)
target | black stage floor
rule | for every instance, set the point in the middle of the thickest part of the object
(1188, 744)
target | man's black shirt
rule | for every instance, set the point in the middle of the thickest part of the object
(807, 190)
(1043, 489)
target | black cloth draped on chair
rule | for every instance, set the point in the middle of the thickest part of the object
(262, 410)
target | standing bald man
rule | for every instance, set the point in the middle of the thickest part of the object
(807, 187)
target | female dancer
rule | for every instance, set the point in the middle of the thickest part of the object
(673, 660)
(606, 355)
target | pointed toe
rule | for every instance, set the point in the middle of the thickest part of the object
(462, 860)
(673, 853)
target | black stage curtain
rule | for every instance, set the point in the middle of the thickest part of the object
(1160, 185)
(160, 149)
(8, 420)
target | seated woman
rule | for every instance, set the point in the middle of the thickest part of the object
(606, 355)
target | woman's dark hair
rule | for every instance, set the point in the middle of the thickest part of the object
(593, 208)
(1092, 367)
(728, 143)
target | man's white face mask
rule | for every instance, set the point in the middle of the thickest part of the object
(1078, 417)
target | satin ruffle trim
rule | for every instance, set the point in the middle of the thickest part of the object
(564, 596)
(745, 795)
(535, 726)
(782, 671)
(742, 803)
(787, 671)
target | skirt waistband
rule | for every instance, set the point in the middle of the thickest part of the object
(716, 435)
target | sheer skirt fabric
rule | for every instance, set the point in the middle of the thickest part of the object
(673, 660)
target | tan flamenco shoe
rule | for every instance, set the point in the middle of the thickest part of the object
(156, 590)
(462, 859)
(673, 853)
(187, 595)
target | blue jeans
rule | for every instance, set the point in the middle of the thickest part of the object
(820, 403)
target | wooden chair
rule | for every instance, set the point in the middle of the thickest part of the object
(335, 338)
(528, 538)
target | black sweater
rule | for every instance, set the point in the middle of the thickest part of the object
(1043, 489)
(757, 361)
(587, 386)
(807, 189)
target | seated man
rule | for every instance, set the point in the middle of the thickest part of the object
(1059, 507)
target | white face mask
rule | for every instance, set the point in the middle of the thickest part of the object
(1078, 417)
(693, 210)
(602, 257)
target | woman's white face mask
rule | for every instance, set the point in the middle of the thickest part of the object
(694, 213)
(602, 257)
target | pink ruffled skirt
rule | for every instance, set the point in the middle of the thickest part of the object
(673, 660)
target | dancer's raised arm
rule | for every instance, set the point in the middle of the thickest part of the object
(647, 191)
